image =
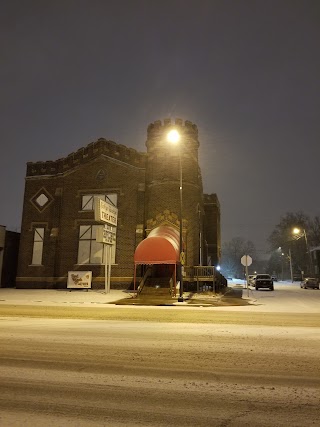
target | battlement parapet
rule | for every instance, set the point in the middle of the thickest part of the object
(211, 199)
(85, 154)
(156, 134)
(186, 127)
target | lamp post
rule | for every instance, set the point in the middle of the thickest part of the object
(289, 257)
(290, 260)
(298, 234)
(174, 137)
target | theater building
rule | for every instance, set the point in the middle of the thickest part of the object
(58, 232)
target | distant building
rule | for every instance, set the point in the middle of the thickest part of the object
(9, 248)
(58, 231)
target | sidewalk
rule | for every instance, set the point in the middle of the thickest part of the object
(60, 297)
(276, 302)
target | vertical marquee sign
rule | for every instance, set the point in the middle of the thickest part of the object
(108, 214)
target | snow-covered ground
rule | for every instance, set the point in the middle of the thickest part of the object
(88, 373)
(61, 297)
(287, 297)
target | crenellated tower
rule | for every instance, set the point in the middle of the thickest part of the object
(163, 182)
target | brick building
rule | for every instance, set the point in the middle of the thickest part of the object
(58, 228)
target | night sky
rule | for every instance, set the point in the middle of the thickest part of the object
(246, 73)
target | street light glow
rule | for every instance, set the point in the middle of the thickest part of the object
(173, 136)
(296, 230)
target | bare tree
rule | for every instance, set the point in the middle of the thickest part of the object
(232, 252)
(314, 232)
(298, 249)
(282, 234)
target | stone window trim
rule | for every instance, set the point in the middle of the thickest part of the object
(40, 195)
(77, 222)
(38, 244)
(87, 199)
(94, 265)
(96, 191)
(37, 266)
(31, 229)
(38, 224)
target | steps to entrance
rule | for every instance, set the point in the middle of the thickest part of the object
(155, 291)
(156, 287)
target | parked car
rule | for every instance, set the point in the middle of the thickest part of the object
(264, 281)
(274, 278)
(310, 282)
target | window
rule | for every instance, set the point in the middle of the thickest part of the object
(89, 251)
(38, 238)
(87, 203)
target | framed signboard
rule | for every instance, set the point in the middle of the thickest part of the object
(79, 279)
(106, 234)
(105, 212)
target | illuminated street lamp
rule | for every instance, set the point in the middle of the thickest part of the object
(298, 233)
(174, 137)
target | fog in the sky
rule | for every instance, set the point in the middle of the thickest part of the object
(246, 72)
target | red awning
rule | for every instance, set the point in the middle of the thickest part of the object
(160, 247)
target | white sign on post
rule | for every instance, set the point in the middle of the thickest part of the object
(106, 234)
(246, 260)
(108, 214)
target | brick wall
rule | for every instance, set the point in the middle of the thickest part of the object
(147, 186)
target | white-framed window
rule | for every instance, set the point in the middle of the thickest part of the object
(87, 201)
(90, 251)
(37, 251)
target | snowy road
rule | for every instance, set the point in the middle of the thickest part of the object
(143, 373)
(286, 297)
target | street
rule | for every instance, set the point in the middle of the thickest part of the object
(287, 297)
(234, 369)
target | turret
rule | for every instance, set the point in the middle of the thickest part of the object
(163, 178)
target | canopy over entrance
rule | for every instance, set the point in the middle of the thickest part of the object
(160, 247)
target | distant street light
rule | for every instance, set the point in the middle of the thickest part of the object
(298, 233)
(289, 257)
(174, 137)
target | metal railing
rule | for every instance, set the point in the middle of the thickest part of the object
(205, 274)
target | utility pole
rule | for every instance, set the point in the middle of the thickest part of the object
(290, 261)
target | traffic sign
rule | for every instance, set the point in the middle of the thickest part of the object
(246, 260)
